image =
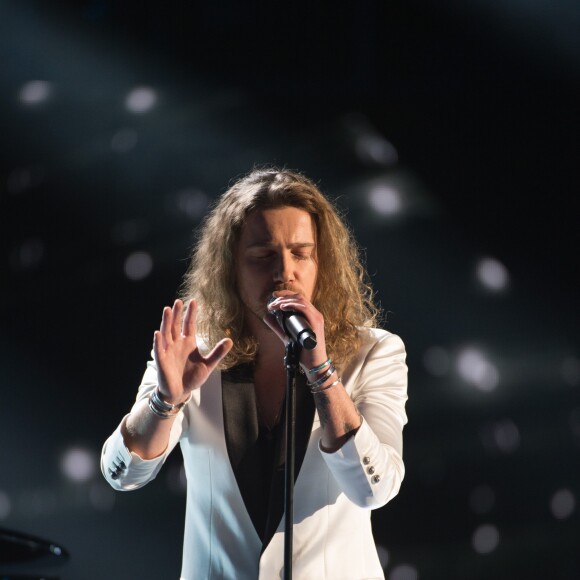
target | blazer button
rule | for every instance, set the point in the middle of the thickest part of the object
(366, 460)
(370, 470)
(376, 478)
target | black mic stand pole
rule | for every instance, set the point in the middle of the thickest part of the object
(291, 358)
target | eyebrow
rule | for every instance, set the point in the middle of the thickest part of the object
(271, 245)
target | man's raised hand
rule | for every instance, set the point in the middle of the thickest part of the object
(181, 367)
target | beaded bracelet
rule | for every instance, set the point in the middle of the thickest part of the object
(323, 378)
(320, 367)
(315, 390)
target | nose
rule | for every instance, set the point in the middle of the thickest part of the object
(283, 271)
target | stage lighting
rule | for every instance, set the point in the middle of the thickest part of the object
(35, 92)
(474, 368)
(385, 200)
(141, 100)
(78, 464)
(492, 274)
(485, 539)
(138, 266)
(562, 504)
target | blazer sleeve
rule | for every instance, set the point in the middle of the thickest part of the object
(124, 469)
(369, 466)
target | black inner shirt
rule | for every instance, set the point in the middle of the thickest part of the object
(256, 453)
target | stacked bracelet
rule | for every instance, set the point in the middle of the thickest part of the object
(315, 390)
(162, 408)
(327, 362)
(322, 378)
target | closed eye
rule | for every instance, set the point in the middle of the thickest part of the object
(262, 256)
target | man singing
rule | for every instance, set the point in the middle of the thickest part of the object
(216, 385)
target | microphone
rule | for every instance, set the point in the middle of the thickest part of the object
(295, 326)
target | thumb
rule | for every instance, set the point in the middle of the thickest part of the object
(217, 354)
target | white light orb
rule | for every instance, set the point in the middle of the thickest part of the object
(492, 274)
(141, 100)
(35, 92)
(385, 200)
(78, 464)
(138, 266)
(563, 504)
(485, 539)
(476, 369)
(404, 572)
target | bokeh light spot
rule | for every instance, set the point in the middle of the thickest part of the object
(141, 100)
(192, 203)
(506, 435)
(404, 572)
(35, 92)
(138, 266)
(485, 539)
(376, 149)
(562, 504)
(476, 369)
(492, 274)
(385, 200)
(78, 464)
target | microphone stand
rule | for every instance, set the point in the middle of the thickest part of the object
(291, 358)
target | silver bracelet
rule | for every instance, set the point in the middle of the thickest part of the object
(323, 378)
(162, 408)
(158, 412)
(164, 405)
(320, 389)
(328, 361)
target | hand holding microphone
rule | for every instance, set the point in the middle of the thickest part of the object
(295, 326)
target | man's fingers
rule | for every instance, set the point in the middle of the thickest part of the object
(158, 344)
(220, 350)
(176, 322)
(165, 328)
(189, 320)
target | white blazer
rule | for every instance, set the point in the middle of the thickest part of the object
(334, 492)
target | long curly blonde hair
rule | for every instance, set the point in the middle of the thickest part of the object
(343, 294)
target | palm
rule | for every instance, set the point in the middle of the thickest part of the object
(181, 366)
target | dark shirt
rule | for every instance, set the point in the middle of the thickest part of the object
(257, 454)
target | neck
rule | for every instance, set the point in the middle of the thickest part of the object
(270, 347)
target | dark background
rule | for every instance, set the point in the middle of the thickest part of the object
(465, 113)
